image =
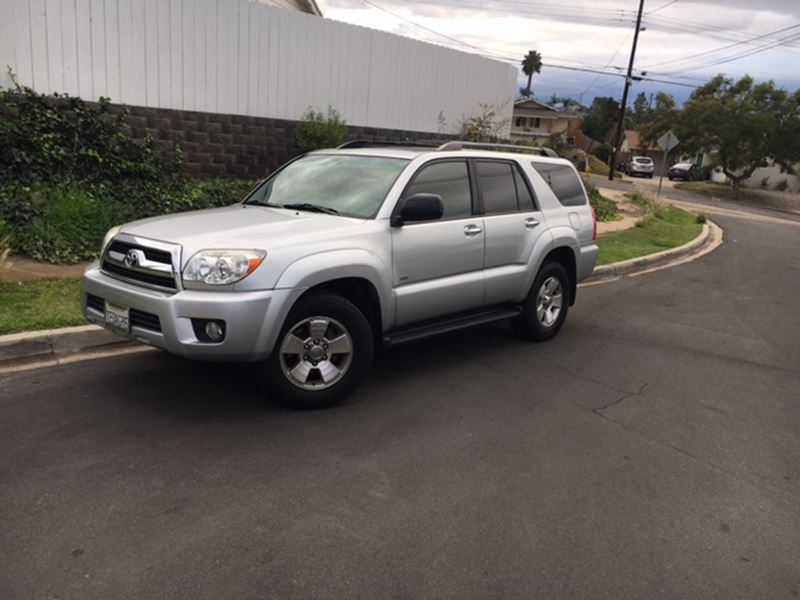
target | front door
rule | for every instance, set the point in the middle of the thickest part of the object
(438, 264)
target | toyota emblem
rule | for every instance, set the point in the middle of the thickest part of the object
(132, 258)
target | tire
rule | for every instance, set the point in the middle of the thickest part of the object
(669, 177)
(302, 360)
(534, 325)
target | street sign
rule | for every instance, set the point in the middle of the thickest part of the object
(668, 141)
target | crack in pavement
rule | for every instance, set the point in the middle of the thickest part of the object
(620, 399)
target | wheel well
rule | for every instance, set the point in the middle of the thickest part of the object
(360, 292)
(565, 256)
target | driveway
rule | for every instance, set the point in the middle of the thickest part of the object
(650, 451)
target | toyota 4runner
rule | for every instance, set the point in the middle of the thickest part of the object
(340, 251)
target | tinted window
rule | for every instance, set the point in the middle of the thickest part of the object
(564, 182)
(450, 180)
(523, 192)
(498, 190)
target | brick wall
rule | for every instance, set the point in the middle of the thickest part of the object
(236, 145)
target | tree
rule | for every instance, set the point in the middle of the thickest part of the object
(600, 117)
(658, 120)
(746, 124)
(641, 109)
(532, 63)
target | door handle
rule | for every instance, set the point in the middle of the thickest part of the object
(530, 222)
(472, 230)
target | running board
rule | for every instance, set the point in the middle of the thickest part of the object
(449, 324)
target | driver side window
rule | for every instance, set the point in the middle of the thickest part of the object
(450, 180)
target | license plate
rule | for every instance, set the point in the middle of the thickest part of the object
(118, 318)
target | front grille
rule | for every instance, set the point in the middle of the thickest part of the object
(151, 278)
(148, 263)
(138, 318)
(155, 254)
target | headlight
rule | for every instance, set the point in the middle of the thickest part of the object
(109, 236)
(222, 267)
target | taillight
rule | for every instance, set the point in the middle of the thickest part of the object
(594, 223)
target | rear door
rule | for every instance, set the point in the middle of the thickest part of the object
(438, 265)
(513, 224)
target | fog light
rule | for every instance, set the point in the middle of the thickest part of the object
(214, 331)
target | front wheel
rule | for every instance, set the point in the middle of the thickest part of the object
(545, 309)
(324, 349)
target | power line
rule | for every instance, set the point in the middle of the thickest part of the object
(655, 10)
(722, 48)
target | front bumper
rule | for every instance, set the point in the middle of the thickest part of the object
(253, 319)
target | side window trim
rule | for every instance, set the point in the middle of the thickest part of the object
(427, 164)
(527, 183)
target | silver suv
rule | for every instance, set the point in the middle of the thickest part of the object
(342, 250)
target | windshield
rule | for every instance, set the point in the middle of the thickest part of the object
(345, 184)
(643, 161)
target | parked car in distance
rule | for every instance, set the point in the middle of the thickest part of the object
(684, 171)
(640, 165)
(342, 250)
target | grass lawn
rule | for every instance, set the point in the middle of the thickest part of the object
(42, 304)
(672, 227)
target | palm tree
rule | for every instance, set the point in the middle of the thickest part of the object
(532, 63)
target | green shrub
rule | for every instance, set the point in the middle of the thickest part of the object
(701, 218)
(782, 185)
(211, 193)
(603, 152)
(649, 207)
(605, 209)
(61, 140)
(316, 130)
(69, 226)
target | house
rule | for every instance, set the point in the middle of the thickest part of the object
(534, 121)
(306, 6)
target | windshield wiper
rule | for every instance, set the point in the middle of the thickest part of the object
(311, 208)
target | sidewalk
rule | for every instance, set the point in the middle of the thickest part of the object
(22, 268)
(630, 213)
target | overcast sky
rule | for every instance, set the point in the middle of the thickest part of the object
(682, 37)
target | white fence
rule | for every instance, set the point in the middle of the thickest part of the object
(240, 57)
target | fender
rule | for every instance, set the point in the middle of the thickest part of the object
(558, 237)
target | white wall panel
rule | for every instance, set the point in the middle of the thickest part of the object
(243, 57)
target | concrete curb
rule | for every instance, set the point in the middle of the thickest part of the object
(709, 235)
(56, 342)
(51, 344)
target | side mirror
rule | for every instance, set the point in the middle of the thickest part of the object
(419, 207)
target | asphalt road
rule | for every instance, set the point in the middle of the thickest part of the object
(650, 451)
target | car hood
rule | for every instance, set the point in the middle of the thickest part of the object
(240, 226)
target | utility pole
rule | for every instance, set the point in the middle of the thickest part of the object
(628, 79)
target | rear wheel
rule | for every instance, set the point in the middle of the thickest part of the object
(545, 309)
(324, 350)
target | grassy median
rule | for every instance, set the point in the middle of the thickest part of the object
(42, 304)
(662, 227)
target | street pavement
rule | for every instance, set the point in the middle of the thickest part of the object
(650, 451)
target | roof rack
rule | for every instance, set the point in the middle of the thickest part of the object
(380, 143)
(498, 148)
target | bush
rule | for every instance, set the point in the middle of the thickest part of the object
(58, 138)
(764, 185)
(604, 152)
(605, 209)
(316, 130)
(782, 185)
(701, 218)
(69, 224)
(649, 207)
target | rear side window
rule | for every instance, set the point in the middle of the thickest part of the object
(564, 182)
(499, 192)
(450, 180)
(523, 192)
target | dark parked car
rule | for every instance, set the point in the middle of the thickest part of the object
(684, 171)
